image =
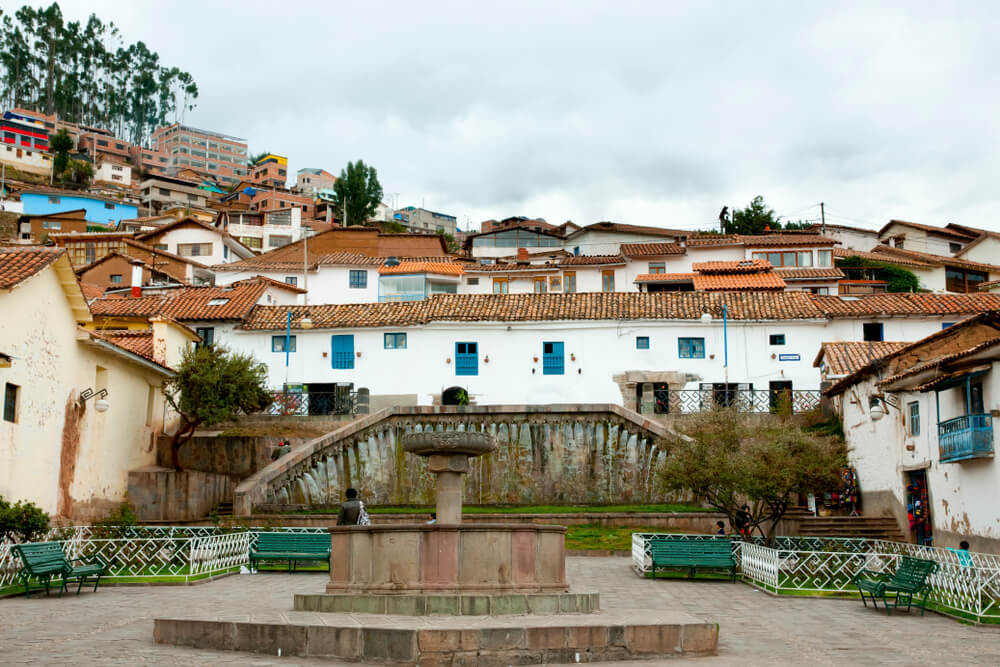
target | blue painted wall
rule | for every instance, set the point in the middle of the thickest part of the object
(98, 210)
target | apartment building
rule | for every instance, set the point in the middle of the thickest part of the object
(160, 193)
(150, 161)
(113, 171)
(421, 220)
(221, 155)
(309, 181)
(26, 143)
(270, 170)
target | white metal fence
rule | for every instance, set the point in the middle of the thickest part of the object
(966, 585)
(170, 553)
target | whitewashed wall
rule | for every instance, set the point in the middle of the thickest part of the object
(852, 239)
(184, 235)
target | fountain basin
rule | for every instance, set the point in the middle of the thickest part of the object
(435, 558)
(449, 443)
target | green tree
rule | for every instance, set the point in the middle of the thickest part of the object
(754, 219)
(449, 241)
(60, 144)
(213, 385)
(78, 172)
(254, 159)
(897, 278)
(23, 521)
(358, 186)
(728, 458)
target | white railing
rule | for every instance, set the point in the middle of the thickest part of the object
(170, 553)
(966, 585)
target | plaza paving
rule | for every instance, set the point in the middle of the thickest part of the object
(115, 625)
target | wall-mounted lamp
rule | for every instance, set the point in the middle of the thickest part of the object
(876, 409)
(101, 405)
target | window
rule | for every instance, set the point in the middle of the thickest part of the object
(777, 339)
(395, 341)
(221, 301)
(472, 281)
(607, 281)
(914, 411)
(501, 286)
(553, 360)
(10, 396)
(466, 359)
(872, 331)
(116, 278)
(54, 200)
(555, 284)
(109, 205)
(642, 342)
(824, 258)
(278, 343)
(540, 286)
(945, 325)
(657, 267)
(277, 241)
(207, 335)
(194, 249)
(342, 352)
(164, 192)
(90, 251)
(292, 280)
(46, 224)
(160, 246)
(150, 403)
(963, 280)
(225, 252)
(954, 247)
(358, 279)
(569, 280)
(691, 348)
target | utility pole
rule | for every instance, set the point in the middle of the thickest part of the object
(822, 215)
(345, 211)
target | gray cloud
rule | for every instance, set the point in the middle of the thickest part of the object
(655, 113)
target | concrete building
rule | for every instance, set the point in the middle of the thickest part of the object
(943, 241)
(262, 232)
(310, 180)
(99, 210)
(150, 161)
(40, 228)
(80, 408)
(221, 155)
(196, 240)
(421, 220)
(113, 171)
(162, 192)
(918, 423)
(271, 170)
(25, 142)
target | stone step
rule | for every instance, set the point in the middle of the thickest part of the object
(529, 641)
(464, 604)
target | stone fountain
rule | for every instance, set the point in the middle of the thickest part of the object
(447, 556)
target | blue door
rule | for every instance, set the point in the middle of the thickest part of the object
(466, 359)
(552, 358)
(342, 351)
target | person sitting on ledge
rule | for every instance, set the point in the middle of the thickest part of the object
(350, 509)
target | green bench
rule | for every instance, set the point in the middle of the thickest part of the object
(716, 554)
(46, 560)
(292, 547)
(909, 579)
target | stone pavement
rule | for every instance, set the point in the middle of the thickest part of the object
(115, 625)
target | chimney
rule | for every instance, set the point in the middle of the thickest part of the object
(136, 278)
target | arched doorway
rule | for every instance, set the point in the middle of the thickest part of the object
(455, 396)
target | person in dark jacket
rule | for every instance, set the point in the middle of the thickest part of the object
(350, 509)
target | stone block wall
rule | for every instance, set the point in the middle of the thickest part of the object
(163, 494)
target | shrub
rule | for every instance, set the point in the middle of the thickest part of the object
(22, 522)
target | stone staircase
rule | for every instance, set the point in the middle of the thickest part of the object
(873, 527)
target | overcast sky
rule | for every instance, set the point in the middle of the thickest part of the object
(647, 113)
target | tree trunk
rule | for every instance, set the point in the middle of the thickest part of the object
(183, 434)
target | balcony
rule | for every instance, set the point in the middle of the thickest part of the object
(966, 437)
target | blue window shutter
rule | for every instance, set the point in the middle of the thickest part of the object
(342, 352)
(466, 359)
(553, 361)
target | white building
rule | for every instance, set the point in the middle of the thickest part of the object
(264, 231)
(918, 423)
(113, 171)
(606, 345)
(197, 240)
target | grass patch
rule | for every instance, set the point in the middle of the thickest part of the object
(524, 509)
(592, 536)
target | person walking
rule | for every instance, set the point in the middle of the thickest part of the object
(742, 522)
(350, 509)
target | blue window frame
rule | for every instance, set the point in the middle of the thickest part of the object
(395, 341)
(553, 361)
(466, 358)
(358, 279)
(278, 343)
(777, 339)
(691, 348)
(342, 352)
(642, 342)
(945, 325)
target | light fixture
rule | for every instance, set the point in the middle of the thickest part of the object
(100, 404)
(876, 410)
(306, 323)
(706, 317)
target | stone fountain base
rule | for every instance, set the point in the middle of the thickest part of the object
(437, 558)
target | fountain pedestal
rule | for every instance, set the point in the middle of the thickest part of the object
(448, 557)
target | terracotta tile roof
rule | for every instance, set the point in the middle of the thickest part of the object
(329, 259)
(709, 240)
(348, 258)
(899, 261)
(936, 260)
(607, 226)
(231, 302)
(664, 278)
(440, 268)
(89, 236)
(509, 268)
(940, 361)
(817, 228)
(91, 291)
(544, 307)
(738, 266)
(136, 342)
(17, 264)
(651, 249)
(923, 304)
(594, 260)
(786, 239)
(763, 280)
(810, 274)
(844, 357)
(987, 286)
(960, 235)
